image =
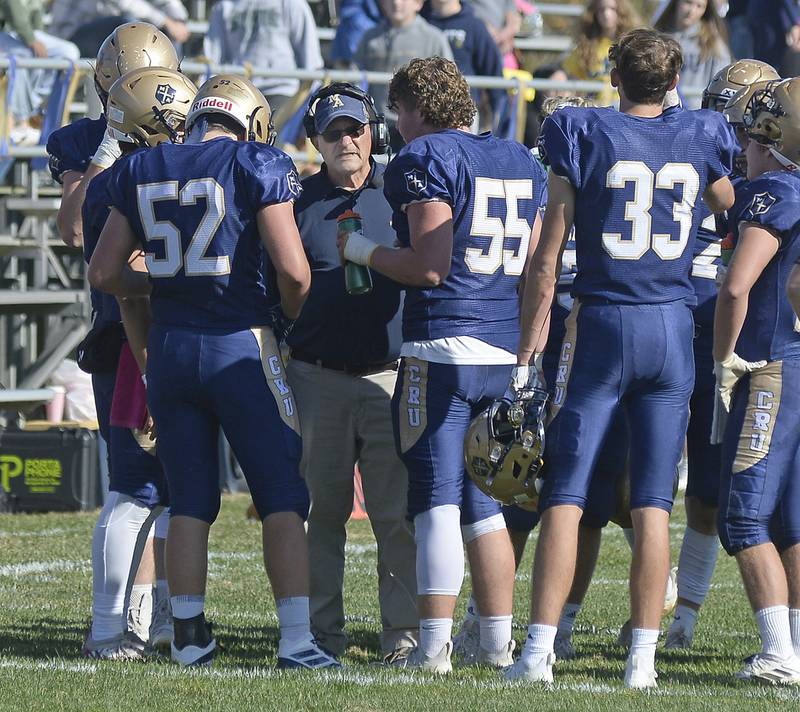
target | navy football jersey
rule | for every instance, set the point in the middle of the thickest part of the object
(193, 207)
(494, 187)
(71, 147)
(771, 329)
(638, 183)
(94, 214)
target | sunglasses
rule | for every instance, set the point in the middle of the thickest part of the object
(335, 135)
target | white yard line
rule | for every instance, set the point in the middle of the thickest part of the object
(33, 568)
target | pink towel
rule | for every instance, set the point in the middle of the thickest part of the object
(129, 405)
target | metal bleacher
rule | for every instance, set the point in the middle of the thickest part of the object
(44, 302)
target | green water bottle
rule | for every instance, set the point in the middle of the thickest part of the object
(357, 278)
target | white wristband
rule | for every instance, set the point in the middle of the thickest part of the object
(144, 379)
(107, 152)
(538, 361)
(359, 249)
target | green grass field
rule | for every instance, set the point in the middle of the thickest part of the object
(45, 589)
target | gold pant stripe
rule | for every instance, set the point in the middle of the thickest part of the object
(413, 415)
(565, 361)
(275, 375)
(763, 403)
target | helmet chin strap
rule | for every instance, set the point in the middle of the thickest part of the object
(171, 132)
(198, 131)
(785, 162)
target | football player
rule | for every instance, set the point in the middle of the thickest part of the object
(629, 181)
(700, 545)
(465, 209)
(137, 486)
(757, 367)
(205, 213)
(78, 152)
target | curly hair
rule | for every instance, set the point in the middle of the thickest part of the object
(437, 88)
(713, 31)
(589, 30)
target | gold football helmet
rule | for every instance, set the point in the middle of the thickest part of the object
(734, 109)
(149, 105)
(730, 79)
(772, 117)
(554, 103)
(239, 99)
(128, 47)
(503, 449)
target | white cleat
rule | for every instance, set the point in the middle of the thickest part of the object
(771, 669)
(467, 642)
(125, 646)
(161, 630)
(638, 677)
(563, 648)
(539, 669)
(439, 664)
(678, 638)
(500, 660)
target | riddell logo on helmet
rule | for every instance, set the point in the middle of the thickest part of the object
(213, 102)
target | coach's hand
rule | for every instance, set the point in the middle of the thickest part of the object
(727, 373)
(356, 248)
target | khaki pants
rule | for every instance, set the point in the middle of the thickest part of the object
(345, 419)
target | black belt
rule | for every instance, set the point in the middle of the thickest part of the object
(351, 369)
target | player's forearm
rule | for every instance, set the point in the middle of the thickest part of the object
(293, 293)
(534, 317)
(406, 266)
(136, 318)
(120, 283)
(729, 316)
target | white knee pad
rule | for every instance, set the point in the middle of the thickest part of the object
(440, 551)
(161, 525)
(472, 531)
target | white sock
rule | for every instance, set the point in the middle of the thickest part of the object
(643, 646)
(472, 613)
(567, 621)
(433, 634)
(794, 626)
(628, 537)
(189, 606)
(141, 602)
(162, 589)
(774, 627)
(113, 546)
(685, 619)
(539, 642)
(696, 565)
(495, 633)
(294, 621)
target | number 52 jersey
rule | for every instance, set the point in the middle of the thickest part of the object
(193, 207)
(638, 185)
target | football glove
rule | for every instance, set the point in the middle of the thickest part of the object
(280, 324)
(728, 373)
(108, 151)
(526, 378)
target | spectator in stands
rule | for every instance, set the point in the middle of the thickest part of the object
(740, 34)
(601, 24)
(355, 18)
(400, 37)
(775, 28)
(701, 33)
(535, 116)
(21, 35)
(88, 22)
(501, 19)
(474, 50)
(269, 34)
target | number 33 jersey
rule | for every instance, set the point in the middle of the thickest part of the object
(639, 183)
(493, 187)
(193, 207)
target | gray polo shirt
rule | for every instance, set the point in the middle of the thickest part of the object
(385, 48)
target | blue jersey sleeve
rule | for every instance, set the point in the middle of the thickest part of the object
(773, 206)
(270, 175)
(721, 164)
(558, 147)
(418, 175)
(71, 147)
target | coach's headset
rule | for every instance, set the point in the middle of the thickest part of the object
(377, 122)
